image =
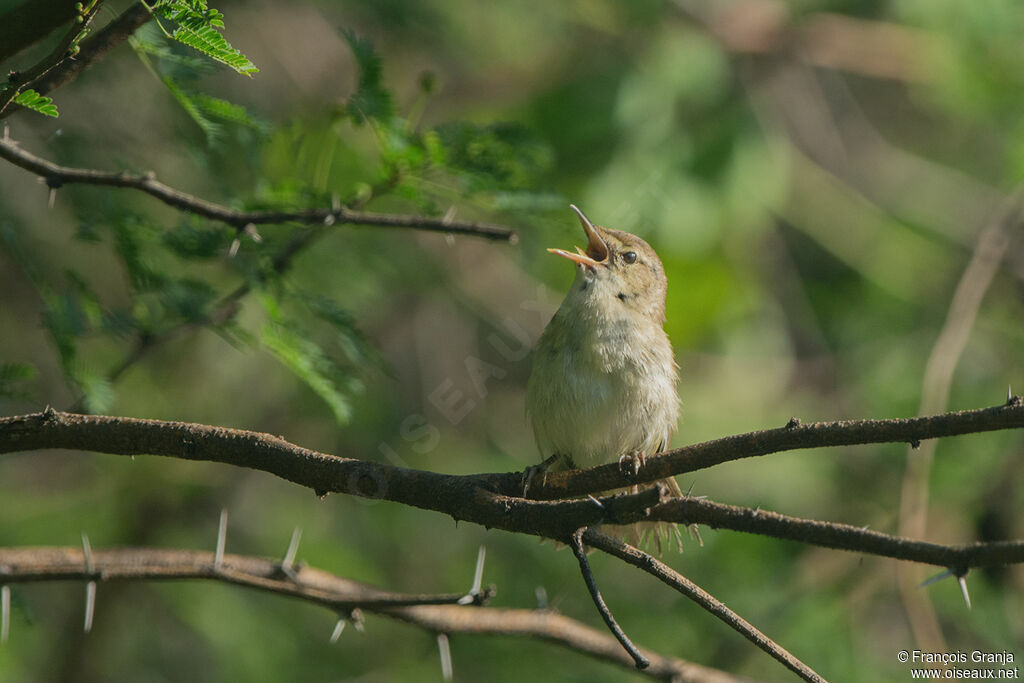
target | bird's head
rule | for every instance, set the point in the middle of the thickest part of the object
(618, 269)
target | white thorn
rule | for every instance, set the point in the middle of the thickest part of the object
(595, 501)
(293, 549)
(1009, 393)
(5, 603)
(253, 233)
(446, 656)
(542, 597)
(962, 580)
(222, 536)
(449, 215)
(233, 250)
(90, 604)
(53, 198)
(478, 575)
(338, 628)
(87, 551)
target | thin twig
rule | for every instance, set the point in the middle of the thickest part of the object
(56, 176)
(26, 565)
(92, 49)
(576, 544)
(66, 48)
(671, 577)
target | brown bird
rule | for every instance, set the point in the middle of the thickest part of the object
(603, 385)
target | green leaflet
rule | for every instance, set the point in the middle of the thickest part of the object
(197, 28)
(309, 363)
(30, 99)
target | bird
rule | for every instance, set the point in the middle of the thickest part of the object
(603, 385)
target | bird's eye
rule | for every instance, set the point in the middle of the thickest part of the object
(629, 257)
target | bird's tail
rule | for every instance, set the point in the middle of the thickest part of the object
(654, 535)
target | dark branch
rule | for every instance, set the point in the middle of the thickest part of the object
(481, 499)
(576, 544)
(837, 536)
(23, 565)
(30, 22)
(671, 577)
(794, 436)
(56, 176)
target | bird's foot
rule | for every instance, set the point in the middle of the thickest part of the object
(632, 463)
(531, 473)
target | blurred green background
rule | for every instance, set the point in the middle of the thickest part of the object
(813, 174)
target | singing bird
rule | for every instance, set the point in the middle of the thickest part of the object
(603, 384)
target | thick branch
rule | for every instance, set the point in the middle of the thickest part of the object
(56, 176)
(22, 565)
(30, 22)
(462, 497)
(671, 577)
(479, 498)
(794, 436)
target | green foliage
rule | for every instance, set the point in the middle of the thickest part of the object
(196, 241)
(198, 28)
(30, 99)
(13, 378)
(371, 100)
(498, 155)
(308, 361)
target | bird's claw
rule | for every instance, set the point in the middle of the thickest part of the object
(632, 463)
(533, 471)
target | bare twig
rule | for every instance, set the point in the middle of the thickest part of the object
(671, 577)
(56, 176)
(67, 48)
(94, 48)
(576, 544)
(435, 613)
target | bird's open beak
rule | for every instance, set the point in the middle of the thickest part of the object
(597, 250)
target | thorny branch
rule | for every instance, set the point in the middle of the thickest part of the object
(345, 596)
(482, 499)
(57, 176)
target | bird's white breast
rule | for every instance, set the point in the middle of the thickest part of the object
(602, 386)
